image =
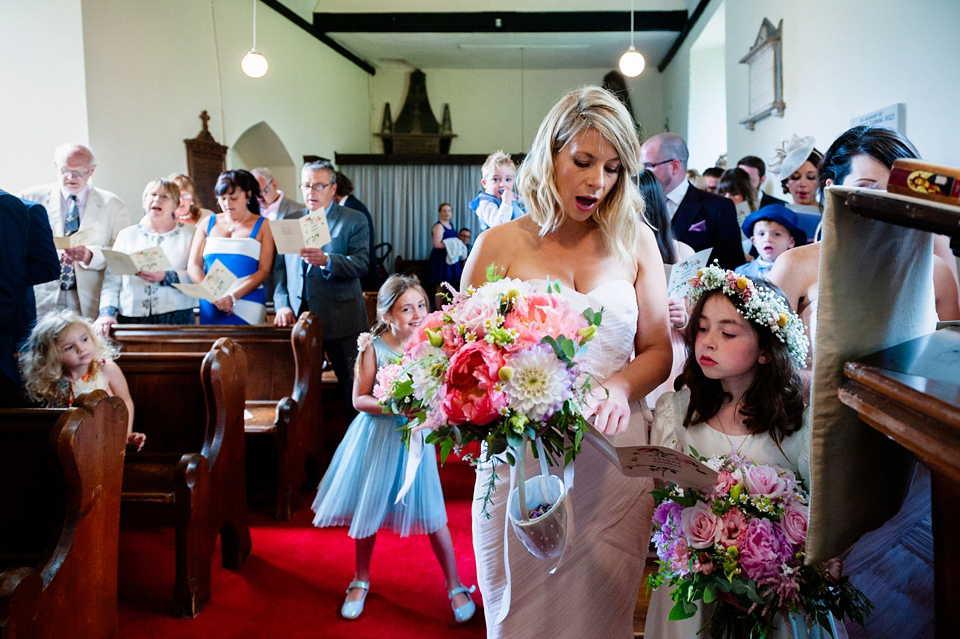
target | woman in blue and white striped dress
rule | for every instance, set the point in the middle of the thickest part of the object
(240, 240)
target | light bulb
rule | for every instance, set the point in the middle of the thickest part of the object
(254, 64)
(632, 63)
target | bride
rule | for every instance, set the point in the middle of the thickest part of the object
(585, 229)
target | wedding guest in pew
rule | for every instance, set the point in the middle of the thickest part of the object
(149, 297)
(188, 210)
(860, 157)
(326, 281)
(27, 257)
(64, 357)
(240, 240)
(73, 205)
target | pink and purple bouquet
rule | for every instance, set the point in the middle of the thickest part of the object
(495, 364)
(741, 545)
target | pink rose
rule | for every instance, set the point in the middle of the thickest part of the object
(795, 520)
(765, 481)
(732, 526)
(763, 548)
(699, 525)
(469, 394)
(474, 314)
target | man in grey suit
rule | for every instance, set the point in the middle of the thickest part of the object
(326, 281)
(274, 205)
(73, 206)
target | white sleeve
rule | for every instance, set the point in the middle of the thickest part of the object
(665, 423)
(492, 215)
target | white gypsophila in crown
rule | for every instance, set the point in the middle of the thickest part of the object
(758, 304)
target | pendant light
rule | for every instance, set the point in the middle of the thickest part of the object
(631, 62)
(254, 64)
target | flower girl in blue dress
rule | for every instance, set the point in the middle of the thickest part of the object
(367, 471)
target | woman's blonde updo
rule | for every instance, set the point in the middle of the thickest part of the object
(621, 211)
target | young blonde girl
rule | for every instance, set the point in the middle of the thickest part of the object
(64, 357)
(742, 394)
(367, 471)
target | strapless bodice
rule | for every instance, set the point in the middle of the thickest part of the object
(612, 348)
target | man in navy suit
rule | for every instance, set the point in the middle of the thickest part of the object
(326, 281)
(28, 257)
(700, 219)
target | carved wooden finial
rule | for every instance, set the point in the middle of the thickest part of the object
(205, 118)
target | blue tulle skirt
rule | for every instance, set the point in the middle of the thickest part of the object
(365, 476)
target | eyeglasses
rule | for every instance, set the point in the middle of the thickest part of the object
(315, 187)
(76, 174)
(653, 165)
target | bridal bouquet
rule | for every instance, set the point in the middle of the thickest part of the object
(741, 545)
(495, 364)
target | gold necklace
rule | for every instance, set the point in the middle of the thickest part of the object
(723, 430)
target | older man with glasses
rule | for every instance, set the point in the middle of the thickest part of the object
(326, 281)
(74, 206)
(700, 219)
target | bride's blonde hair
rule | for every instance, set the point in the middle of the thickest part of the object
(620, 213)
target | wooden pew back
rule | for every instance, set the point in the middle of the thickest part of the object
(60, 476)
(190, 405)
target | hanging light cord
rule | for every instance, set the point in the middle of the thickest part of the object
(255, 24)
(631, 24)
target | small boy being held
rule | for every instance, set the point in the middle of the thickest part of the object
(496, 203)
(773, 230)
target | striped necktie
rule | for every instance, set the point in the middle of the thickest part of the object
(71, 224)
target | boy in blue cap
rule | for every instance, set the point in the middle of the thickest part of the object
(773, 230)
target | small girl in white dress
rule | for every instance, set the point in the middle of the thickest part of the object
(64, 357)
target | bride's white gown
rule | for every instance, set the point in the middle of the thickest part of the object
(594, 592)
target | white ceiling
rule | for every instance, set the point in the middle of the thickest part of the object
(496, 50)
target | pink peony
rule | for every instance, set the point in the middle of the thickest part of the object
(795, 519)
(725, 482)
(544, 314)
(699, 525)
(732, 526)
(420, 340)
(765, 481)
(763, 548)
(469, 394)
(474, 314)
(452, 339)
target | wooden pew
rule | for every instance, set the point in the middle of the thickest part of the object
(60, 476)
(190, 405)
(281, 362)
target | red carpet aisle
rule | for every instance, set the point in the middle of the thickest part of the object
(294, 583)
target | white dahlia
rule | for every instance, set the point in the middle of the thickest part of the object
(540, 383)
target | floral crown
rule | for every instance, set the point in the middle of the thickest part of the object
(759, 304)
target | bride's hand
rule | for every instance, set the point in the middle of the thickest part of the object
(613, 412)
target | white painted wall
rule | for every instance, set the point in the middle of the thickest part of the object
(150, 68)
(707, 119)
(41, 70)
(486, 108)
(844, 59)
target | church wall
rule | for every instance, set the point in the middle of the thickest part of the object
(840, 60)
(41, 71)
(845, 59)
(151, 67)
(485, 104)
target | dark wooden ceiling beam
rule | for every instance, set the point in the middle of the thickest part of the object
(499, 22)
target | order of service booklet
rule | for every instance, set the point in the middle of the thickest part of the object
(149, 259)
(214, 285)
(309, 231)
(83, 237)
(635, 459)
